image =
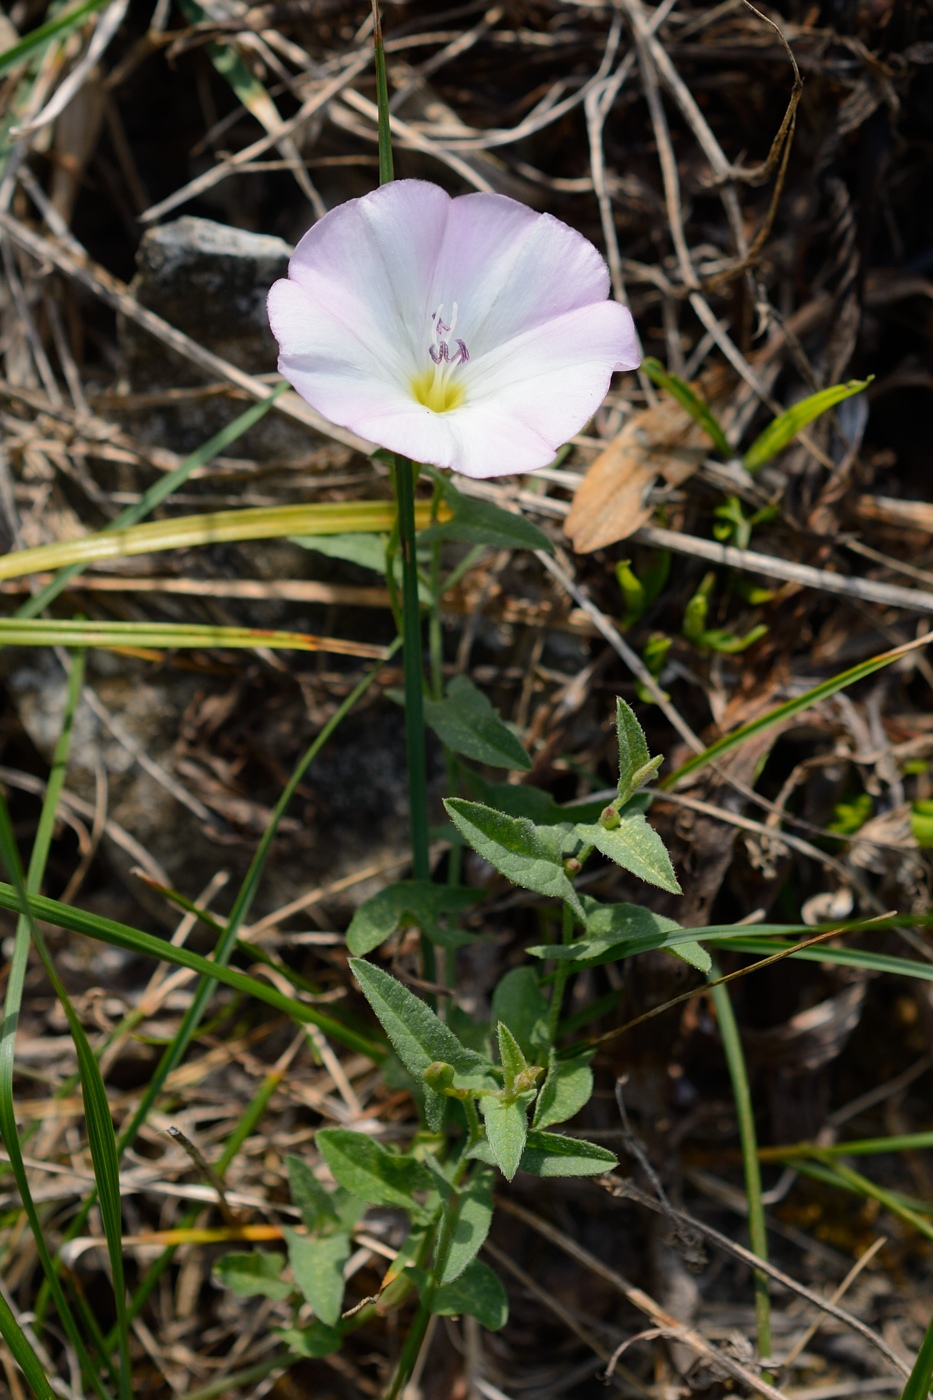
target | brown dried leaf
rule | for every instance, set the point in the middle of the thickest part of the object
(610, 503)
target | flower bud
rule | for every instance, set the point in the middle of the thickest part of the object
(609, 819)
(439, 1076)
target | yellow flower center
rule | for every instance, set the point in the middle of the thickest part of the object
(437, 391)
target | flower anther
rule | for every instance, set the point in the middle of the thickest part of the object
(468, 332)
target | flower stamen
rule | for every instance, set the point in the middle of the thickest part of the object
(435, 388)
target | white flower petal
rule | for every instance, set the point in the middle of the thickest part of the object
(354, 325)
(510, 269)
(378, 254)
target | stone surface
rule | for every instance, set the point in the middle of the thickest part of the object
(209, 280)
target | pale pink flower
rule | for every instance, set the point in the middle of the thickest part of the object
(470, 333)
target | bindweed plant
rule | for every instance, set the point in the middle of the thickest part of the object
(489, 1094)
(476, 335)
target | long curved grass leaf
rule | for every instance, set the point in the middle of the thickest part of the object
(158, 492)
(919, 1382)
(791, 708)
(843, 957)
(11, 1009)
(134, 940)
(783, 429)
(39, 35)
(100, 1133)
(39, 632)
(216, 970)
(24, 1354)
(220, 527)
(689, 399)
(741, 1093)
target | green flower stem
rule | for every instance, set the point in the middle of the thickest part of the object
(404, 477)
(410, 1352)
(560, 977)
(758, 1236)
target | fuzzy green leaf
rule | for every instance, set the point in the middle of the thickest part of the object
(568, 1086)
(471, 1224)
(636, 766)
(253, 1275)
(420, 1039)
(317, 1265)
(635, 846)
(478, 1292)
(552, 1154)
(511, 1058)
(529, 855)
(365, 1168)
(519, 1002)
(310, 1195)
(506, 1130)
(467, 723)
(481, 522)
(613, 931)
(417, 902)
(314, 1341)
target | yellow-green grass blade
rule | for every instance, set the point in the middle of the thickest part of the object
(221, 527)
(843, 957)
(789, 709)
(38, 632)
(23, 1354)
(38, 36)
(101, 1139)
(742, 1097)
(12, 1003)
(854, 1147)
(134, 940)
(241, 905)
(918, 1384)
(845, 1178)
(158, 492)
(783, 429)
(690, 400)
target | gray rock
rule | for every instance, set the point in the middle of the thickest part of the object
(211, 281)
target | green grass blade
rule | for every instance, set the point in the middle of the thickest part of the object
(59, 25)
(783, 429)
(227, 942)
(918, 1384)
(741, 1093)
(158, 492)
(689, 399)
(790, 708)
(842, 957)
(39, 632)
(221, 527)
(21, 903)
(11, 1010)
(134, 940)
(386, 167)
(23, 1354)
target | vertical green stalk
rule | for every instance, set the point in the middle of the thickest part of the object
(404, 479)
(560, 977)
(408, 1359)
(386, 168)
(404, 476)
(758, 1236)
